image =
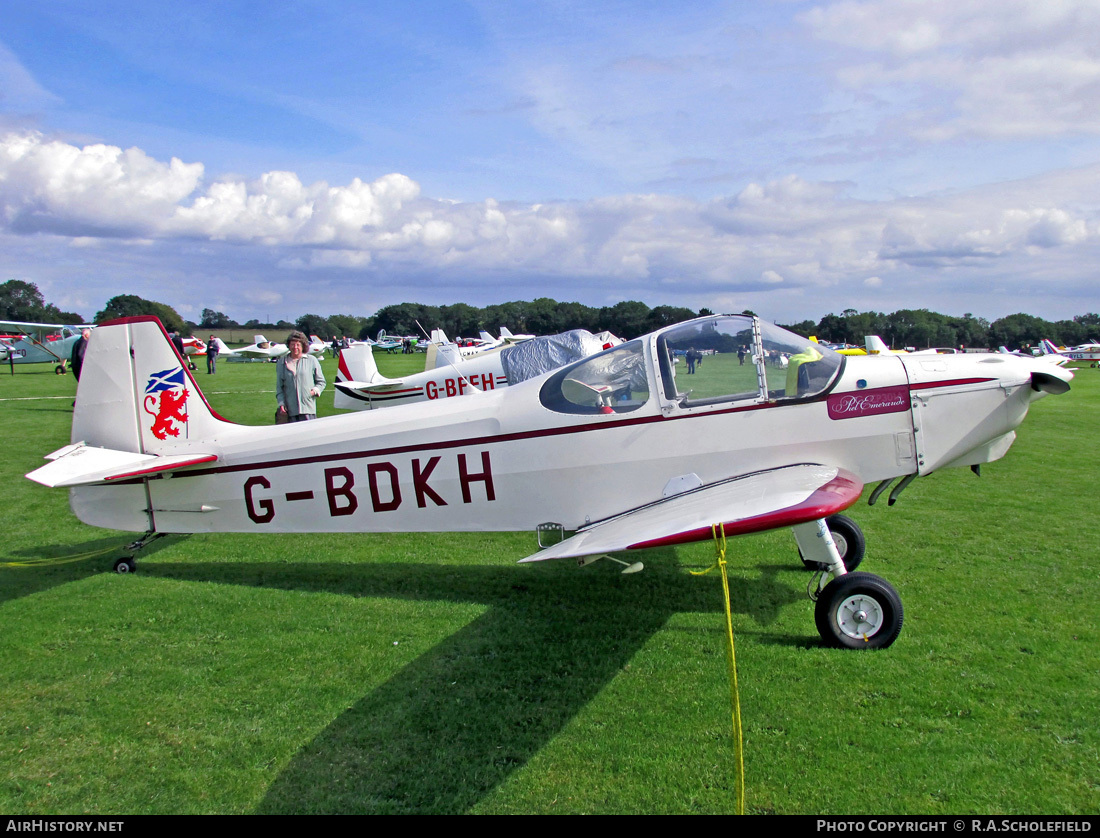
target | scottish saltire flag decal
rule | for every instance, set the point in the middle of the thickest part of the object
(169, 379)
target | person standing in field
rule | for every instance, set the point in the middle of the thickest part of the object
(212, 355)
(79, 348)
(298, 380)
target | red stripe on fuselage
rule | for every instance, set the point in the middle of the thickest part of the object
(512, 437)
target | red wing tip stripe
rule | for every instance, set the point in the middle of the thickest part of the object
(153, 469)
(836, 495)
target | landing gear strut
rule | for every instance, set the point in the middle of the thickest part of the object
(849, 541)
(853, 610)
(128, 564)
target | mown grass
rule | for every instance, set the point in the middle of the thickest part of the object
(430, 673)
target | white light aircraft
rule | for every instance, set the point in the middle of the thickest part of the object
(260, 347)
(1085, 353)
(360, 386)
(265, 349)
(624, 449)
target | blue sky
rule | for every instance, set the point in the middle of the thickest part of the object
(796, 158)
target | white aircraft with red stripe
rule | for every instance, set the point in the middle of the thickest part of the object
(625, 449)
(360, 386)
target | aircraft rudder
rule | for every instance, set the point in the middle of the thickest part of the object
(136, 393)
(357, 364)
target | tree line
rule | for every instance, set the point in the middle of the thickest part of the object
(920, 328)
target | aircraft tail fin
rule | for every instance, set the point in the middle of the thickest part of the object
(356, 376)
(1048, 348)
(876, 346)
(446, 355)
(357, 364)
(505, 333)
(136, 393)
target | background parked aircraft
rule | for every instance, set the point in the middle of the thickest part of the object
(40, 343)
(360, 386)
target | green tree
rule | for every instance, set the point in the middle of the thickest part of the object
(627, 319)
(23, 301)
(401, 319)
(663, 316)
(216, 320)
(458, 319)
(130, 305)
(344, 324)
(513, 315)
(314, 324)
(1018, 330)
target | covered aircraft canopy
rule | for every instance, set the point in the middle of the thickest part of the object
(534, 357)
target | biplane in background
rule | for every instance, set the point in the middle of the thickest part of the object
(624, 449)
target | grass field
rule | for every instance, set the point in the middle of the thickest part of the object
(430, 673)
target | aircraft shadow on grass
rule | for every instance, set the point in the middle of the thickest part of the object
(35, 569)
(455, 723)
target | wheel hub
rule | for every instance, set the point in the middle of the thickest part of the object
(859, 616)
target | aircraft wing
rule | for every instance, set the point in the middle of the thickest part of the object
(763, 500)
(21, 325)
(80, 465)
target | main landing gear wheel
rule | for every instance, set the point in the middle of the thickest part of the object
(849, 541)
(125, 565)
(859, 611)
(59, 370)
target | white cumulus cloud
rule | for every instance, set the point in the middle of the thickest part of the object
(788, 233)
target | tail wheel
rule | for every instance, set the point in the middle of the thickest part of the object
(125, 565)
(849, 541)
(859, 611)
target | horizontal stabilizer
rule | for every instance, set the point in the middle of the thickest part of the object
(353, 387)
(763, 500)
(80, 465)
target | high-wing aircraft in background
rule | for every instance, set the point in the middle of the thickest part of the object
(40, 343)
(625, 449)
(360, 386)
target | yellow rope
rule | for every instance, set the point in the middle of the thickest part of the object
(77, 557)
(719, 533)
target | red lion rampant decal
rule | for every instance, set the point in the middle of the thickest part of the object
(170, 415)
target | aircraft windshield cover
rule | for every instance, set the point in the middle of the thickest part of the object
(532, 358)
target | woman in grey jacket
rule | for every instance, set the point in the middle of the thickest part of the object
(298, 380)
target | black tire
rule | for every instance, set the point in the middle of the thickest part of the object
(125, 565)
(59, 370)
(859, 611)
(849, 542)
